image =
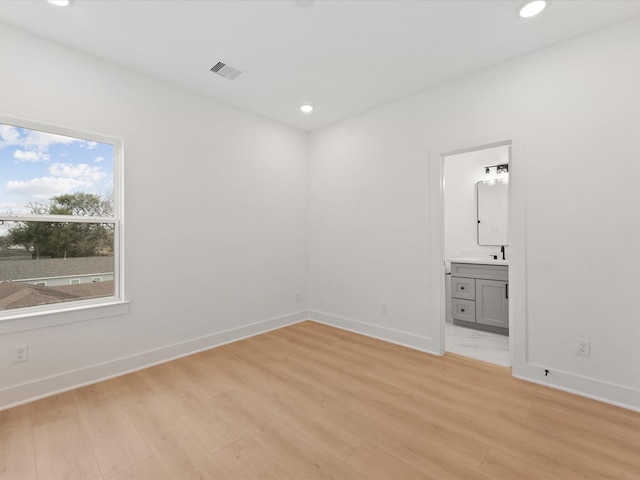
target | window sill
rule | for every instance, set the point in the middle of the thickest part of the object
(60, 316)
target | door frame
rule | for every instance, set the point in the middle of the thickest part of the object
(517, 238)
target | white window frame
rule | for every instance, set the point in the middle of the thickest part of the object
(27, 318)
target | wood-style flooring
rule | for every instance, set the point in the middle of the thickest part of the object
(310, 401)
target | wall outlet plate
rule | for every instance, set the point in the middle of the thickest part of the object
(583, 347)
(20, 353)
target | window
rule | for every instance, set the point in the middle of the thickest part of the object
(60, 218)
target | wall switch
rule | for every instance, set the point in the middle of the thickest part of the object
(583, 347)
(384, 309)
(20, 353)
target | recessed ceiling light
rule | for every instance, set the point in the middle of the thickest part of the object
(306, 108)
(59, 3)
(532, 9)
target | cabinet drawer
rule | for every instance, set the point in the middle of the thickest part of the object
(463, 288)
(463, 310)
(478, 270)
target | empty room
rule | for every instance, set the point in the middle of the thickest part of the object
(348, 239)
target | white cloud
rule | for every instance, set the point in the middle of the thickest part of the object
(99, 159)
(9, 136)
(31, 155)
(38, 139)
(34, 144)
(80, 171)
(91, 145)
(44, 188)
(34, 139)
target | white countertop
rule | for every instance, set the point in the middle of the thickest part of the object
(482, 261)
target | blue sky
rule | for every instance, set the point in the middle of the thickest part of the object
(36, 165)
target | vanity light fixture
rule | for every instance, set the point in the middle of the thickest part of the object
(59, 3)
(532, 9)
(306, 108)
(501, 175)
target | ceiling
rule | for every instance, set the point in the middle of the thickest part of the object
(342, 56)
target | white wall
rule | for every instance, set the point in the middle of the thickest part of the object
(216, 214)
(576, 166)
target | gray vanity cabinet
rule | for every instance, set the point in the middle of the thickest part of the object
(480, 296)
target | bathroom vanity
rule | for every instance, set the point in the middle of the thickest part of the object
(480, 294)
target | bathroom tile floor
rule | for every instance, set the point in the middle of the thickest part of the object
(485, 346)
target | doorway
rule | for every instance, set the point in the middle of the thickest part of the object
(475, 240)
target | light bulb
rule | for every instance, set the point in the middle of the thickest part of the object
(488, 178)
(306, 108)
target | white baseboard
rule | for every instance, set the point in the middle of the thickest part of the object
(45, 387)
(621, 396)
(617, 395)
(410, 340)
(606, 392)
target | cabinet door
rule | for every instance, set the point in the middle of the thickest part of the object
(492, 303)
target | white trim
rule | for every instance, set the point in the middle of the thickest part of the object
(410, 340)
(5, 217)
(68, 312)
(76, 276)
(618, 395)
(66, 131)
(118, 229)
(45, 387)
(16, 395)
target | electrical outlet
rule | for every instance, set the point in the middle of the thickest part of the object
(20, 353)
(583, 347)
(384, 309)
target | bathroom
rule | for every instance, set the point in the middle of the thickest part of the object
(476, 253)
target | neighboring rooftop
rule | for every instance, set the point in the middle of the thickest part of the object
(23, 268)
(17, 295)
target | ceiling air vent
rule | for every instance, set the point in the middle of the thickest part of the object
(227, 71)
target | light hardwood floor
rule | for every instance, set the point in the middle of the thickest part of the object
(310, 401)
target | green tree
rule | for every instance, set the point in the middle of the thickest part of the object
(80, 203)
(5, 244)
(66, 239)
